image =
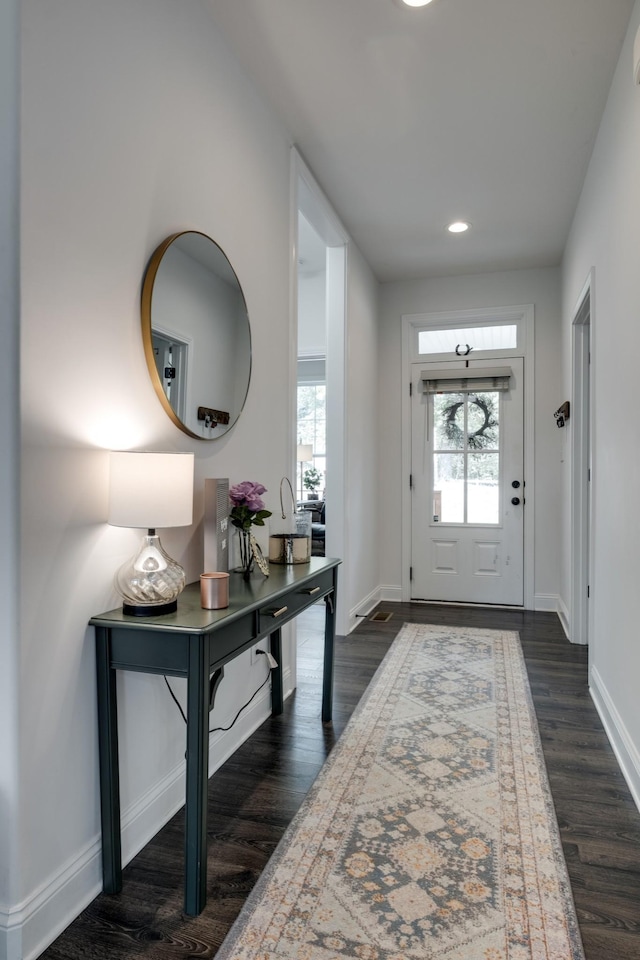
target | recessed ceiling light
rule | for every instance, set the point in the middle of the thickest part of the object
(458, 226)
(416, 3)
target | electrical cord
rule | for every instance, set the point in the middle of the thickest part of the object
(244, 707)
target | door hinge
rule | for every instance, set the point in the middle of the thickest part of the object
(410, 481)
(410, 573)
(410, 389)
(589, 475)
(588, 591)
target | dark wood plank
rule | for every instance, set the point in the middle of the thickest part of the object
(254, 796)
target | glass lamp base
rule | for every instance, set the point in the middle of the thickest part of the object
(151, 582)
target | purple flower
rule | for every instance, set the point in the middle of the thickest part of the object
(248, 506)
(247, 494)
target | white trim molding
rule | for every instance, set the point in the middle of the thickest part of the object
(621, 741)
(582, 475)
(363, 609)
(563, 614)
(546, 602)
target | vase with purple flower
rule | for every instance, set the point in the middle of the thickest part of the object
(247, 510)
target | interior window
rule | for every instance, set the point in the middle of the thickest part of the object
(312, 423)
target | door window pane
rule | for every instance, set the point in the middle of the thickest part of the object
(448, 487)
(483, 491)
(448, 415)
(483, 420)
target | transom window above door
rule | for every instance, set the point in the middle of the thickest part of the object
(489, 332)
(464, 340)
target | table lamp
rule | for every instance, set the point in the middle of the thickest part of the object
(150, 490)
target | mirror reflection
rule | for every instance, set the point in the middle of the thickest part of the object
(196, 333)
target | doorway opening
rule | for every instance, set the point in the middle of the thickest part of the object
(319, 308)
(171, 355)
(311, 424)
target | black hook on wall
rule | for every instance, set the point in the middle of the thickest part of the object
(562, 414)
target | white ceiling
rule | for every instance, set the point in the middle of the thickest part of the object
(485, 110)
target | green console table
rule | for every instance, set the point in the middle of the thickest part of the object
(196, 644)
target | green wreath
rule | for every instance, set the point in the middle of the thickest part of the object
(477, 439)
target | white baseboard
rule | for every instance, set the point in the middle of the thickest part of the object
(546, 602)
(565, 619)
(390, 593)
(625, 750)
(27, 929)
(363, 609)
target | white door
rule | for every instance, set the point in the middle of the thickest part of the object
(467, 481)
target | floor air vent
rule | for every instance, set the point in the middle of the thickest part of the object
(381, 616)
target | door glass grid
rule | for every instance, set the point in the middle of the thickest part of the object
(466, 458)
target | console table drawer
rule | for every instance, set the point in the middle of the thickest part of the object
(270, 617)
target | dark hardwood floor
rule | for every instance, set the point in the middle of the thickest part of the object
(255, 794)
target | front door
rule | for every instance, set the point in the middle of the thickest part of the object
(467, 482)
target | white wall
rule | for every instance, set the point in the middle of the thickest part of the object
(136, 123)
(604, 236)
(542, 289)
(9, 442)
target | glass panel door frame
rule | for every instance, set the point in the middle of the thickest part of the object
(524, 316)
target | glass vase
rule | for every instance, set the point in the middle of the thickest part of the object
(245, 554)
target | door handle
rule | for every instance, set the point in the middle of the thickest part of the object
(515, 484)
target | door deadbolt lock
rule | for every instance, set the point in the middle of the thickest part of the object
(515, 501)
(515, 484)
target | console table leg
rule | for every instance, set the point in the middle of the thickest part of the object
(329, 641)
(195, 891)
(109, 770)
(277, 698)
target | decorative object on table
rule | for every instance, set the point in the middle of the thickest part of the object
(258, 556)
(430, 831)
(214, 590)
(150, 490)
(304, 454)
(216, 524)
(290, 536)
(312, 480)
(247, 511)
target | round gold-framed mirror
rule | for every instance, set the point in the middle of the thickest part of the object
(196, 334)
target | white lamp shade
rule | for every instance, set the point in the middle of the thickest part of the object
(151, 490)
(305, 453)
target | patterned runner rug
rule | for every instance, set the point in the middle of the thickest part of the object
(430, 831)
